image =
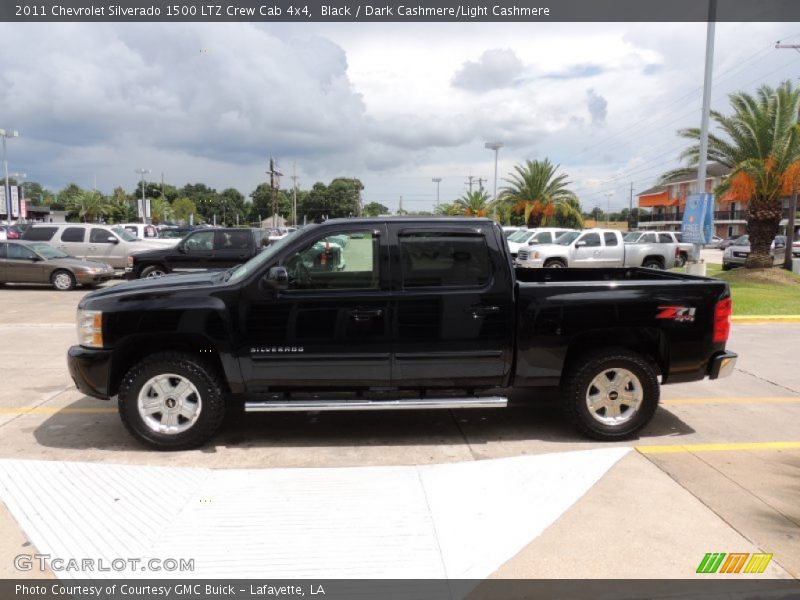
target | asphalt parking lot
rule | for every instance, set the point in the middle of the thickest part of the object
(718, 469)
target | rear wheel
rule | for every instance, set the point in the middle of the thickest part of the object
(681, 260)
(63, 280)
(652, 263)
(171, 401)
(153, 271)
(611, 394)
(555, 263)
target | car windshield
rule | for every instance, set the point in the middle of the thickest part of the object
(567, 238)
(518, 236)
(632, 237)
(742, 241)
(47, 251)
(259, 259)
(173, 233)
(125, 235)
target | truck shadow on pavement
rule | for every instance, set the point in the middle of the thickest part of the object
(92, 424)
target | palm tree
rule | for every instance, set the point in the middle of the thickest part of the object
(446, 209)
(761, 146)
(88, 204)
(472, 204)
(543, 196)
(160, 210)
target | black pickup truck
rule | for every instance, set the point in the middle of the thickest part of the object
(398, 313)
(217, 248)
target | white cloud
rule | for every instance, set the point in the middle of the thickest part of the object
(497, 68)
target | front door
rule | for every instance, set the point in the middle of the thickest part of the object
(330, 327)
(103, 247)
(588, 251)
(454, 312)
(193, 253)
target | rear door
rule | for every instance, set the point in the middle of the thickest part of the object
(3, 261)
(232, 248)
(22, 265)
(452, 307)
(72, 241)
(613, 250)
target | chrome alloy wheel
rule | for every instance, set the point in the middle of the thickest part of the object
(614, 396)
(169, 403)
(62, 281)
(155, 273)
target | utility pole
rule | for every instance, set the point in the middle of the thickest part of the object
(470, 179)
(480, 183)
(274, 183)
(143, 211)
(790, 221)
(358, 196)
(630, 208)
(400, 206)
(608, 196)
(294, 195)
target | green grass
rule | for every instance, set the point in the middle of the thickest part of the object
(760, 291)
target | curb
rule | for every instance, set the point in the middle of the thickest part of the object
(765, 319)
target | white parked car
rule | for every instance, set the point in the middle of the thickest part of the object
(149, 233)
(531, 237)
(597, 248)
(662, 237)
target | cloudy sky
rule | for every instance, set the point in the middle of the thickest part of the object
(392, 104)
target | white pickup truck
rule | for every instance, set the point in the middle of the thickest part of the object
(597, 248)
(662, 237)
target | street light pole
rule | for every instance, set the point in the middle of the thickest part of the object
(7, 186)
(142, 173)
(437, 181)
(608, 196)
(496, 147)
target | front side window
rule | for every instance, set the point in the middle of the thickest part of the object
(199, 242)
(543, 237)
(437, 259)
(100, 236)
(15, 251)
(347, 260)
(591, 240)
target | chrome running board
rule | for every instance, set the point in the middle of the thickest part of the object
(407, 404)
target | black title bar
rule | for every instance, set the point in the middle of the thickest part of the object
(399, 11)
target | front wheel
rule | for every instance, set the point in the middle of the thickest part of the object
(611, 394)
(171, 401)
(63, 281)
(555, 263)
(153, 271)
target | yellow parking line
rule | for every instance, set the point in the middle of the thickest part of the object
(46, 410)
(734, 400)
(755, 319)
(723, 447)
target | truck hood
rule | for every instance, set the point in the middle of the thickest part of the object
(156, 285)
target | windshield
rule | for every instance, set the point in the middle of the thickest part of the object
(125, 235)
(632, 237)
(259, 259)
(567, 238)
(47, 251)
(742, 241)
(173, 233)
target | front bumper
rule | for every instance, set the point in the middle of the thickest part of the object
(722, 365)
(531, 263)
(90, 369)
(84, 277)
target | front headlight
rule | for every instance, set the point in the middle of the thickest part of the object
(727, 252)
(536, 254)
(90, 328)
(130, 261)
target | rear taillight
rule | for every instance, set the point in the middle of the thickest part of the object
(722, 320)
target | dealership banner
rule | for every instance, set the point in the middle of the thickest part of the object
(698, 219)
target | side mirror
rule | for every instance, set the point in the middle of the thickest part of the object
(277, 278)
(112, 240)
(580, 243)
(181, 248)
(35, 259)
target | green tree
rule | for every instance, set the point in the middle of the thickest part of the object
(160, 210)
(121, 207)
(182, 208)
(261, 205)
(231, 208)
(760, 143)
(472, 204)
(537, 191)
(65, 196)
(375, 209)
(88, 205)
(447, 209)
(339, 199)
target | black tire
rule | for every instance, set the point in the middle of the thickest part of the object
(681, 260)
(153, 271)
(63, 280)
(578, 385)
(211, 400)
(726, 267)
(652, 263)
(555, 263)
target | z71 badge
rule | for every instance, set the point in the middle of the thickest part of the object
(681, 314)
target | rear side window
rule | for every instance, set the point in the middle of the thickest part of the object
(73, 234)
(150, 231)
(610, 239)
(100, 236)
(678, 237)
(435, 259)
(39, 234)
(130, 229)
(664, 238)
(232, 240)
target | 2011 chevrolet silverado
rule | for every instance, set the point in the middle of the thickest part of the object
(397, 313)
